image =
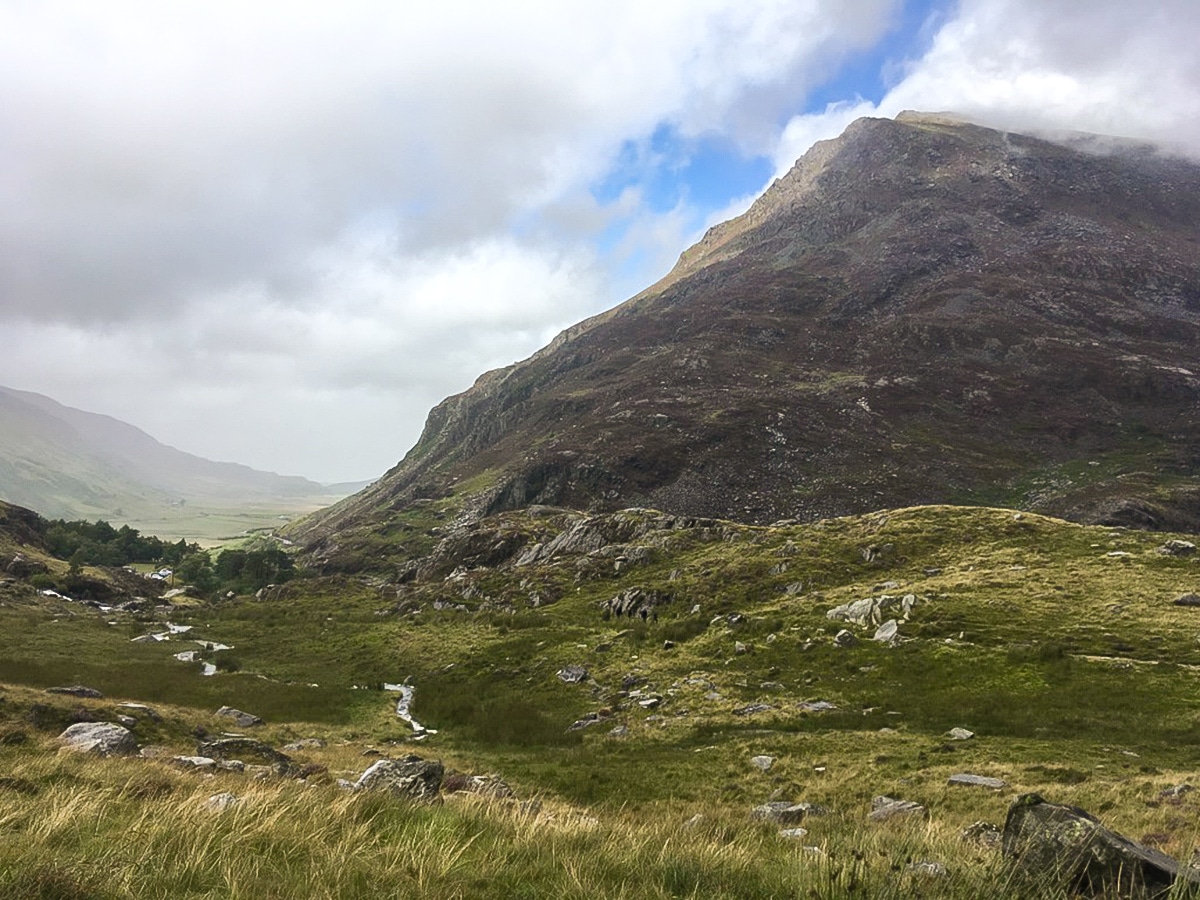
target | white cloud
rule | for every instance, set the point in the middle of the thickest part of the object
(279, 233)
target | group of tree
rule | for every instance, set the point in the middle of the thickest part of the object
(240, 571)
(100, 544)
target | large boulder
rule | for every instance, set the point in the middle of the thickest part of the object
(1063, 847)
(413, 777)
(99, 738)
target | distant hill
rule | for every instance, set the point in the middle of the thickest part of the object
(921, 311)
(67, 463)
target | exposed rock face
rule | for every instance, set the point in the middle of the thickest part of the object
(412, 777)
(921, 311)
(1064, 846)
(99, 738)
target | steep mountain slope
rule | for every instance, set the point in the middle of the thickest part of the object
(922, 310)
(64, 462)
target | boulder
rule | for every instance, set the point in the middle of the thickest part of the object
(845, 638)
(243, 719)
(412, 777)
(99, 738)
(888, 632)
(960, 734)
(1187, 600)
(762, 763)
(1064, 848)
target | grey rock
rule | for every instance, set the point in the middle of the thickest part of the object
(780, 812)
(815, 706)
(985, 834)
(77, 690)
(965, 779)
(794, 833)
(1187, 600)
(763, 763)
(884, 808)
(1175, 792)
(694, 821)
(845, 638)
(221, 802)
(752, 709)
(191, 763)
(739, 647)
(140, 711)
(305, 744)
(1064, 848)
(127, 721)
(100, 739)
(572, 674)
(412, 777)
(243, 719)
(1177, 548)
(888, 632)
(960, 734)
(619, 731)
(244, 748)
(928, 869)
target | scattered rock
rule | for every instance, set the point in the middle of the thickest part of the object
(888, 632)
(1176, 792)
(305, 744)
(668, 645)
(739, 647)
(100, 738)
(1177, 548)
(845, 638)
(77, 690)
(485, 785)
(243, 748)
(762, 763)
(619, 731)
(572, 674)
(650, 703)
(985, 834)
(592, 718)
(243, 719)
(221, 802)
(694, 821)
(793, 833)
(1049, 841)
(815, 706)
(960, 734)
(928, 869)
(884, 808)
(964, 779)
(412, 777)
(752, 709)
(1187, 600)
(783, 813)
(191, 763)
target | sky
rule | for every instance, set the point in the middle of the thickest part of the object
(279, 233)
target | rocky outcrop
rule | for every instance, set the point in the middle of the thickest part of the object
(245, 749)
(243, 719)
(1063, 847)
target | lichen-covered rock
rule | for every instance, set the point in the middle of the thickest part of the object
(243, 749)
(99, 738)
(1063, 847)
(781, 812)
(413, 777)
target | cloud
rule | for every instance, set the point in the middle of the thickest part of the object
(1100, 66)
(278, 233)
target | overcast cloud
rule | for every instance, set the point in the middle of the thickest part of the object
(279, 233)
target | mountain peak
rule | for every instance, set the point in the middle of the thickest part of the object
(921, 310)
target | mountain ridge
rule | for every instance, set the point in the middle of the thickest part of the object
(921, 311)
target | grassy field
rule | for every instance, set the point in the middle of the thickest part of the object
(1058, 645)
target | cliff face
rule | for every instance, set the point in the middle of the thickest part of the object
(921, 311)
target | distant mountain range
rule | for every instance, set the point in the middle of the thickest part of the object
(922, 310)
(67, 463)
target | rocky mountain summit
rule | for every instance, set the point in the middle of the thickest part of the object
(921, 311)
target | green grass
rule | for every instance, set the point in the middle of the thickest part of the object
(1079, 676)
